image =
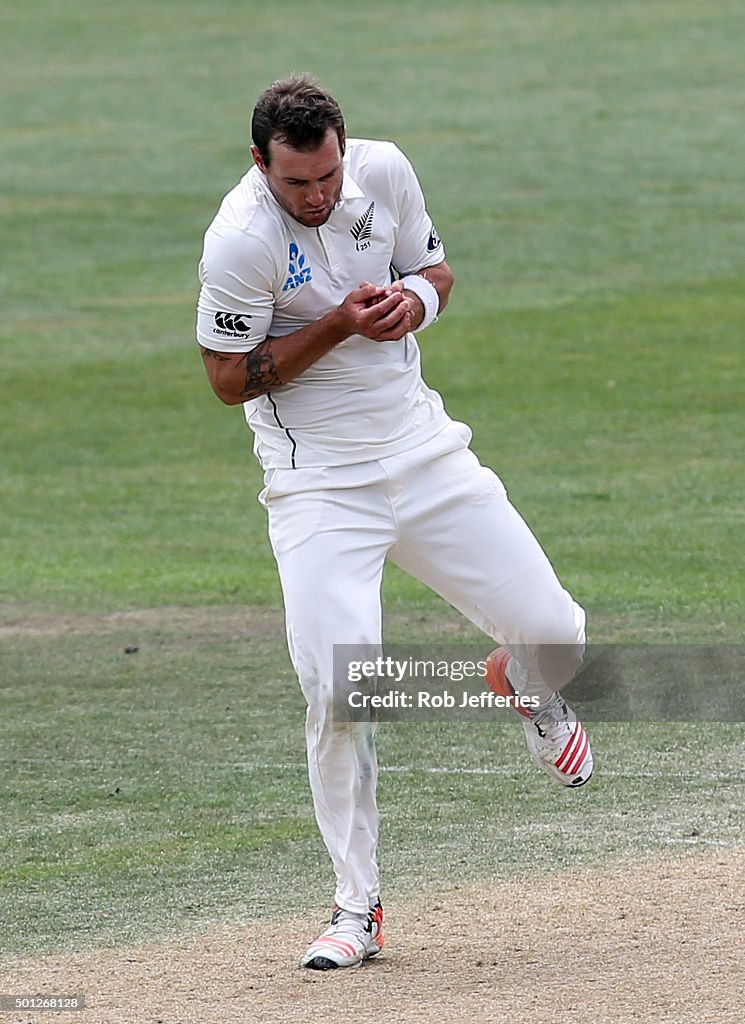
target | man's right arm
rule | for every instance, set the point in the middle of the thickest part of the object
(381, 314)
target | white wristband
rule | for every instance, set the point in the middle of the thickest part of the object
(427, 292)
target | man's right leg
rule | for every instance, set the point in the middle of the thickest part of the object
(330, 546)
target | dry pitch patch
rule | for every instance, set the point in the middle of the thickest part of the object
(19, 622)
(659, 943)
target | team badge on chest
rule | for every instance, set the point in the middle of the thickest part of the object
(361, 230)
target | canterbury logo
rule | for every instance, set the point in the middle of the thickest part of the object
(361, 230)
(232, 323)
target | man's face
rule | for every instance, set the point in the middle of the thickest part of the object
(305, 183)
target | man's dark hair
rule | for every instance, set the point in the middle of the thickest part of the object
(295, 111)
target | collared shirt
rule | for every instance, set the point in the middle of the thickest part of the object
(265, 274)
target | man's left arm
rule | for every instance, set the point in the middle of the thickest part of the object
(418, 252)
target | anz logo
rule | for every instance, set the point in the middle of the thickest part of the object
(298, 270)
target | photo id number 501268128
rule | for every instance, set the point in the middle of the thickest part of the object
(37, 1001)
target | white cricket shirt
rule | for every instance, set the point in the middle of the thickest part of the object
(265, 274)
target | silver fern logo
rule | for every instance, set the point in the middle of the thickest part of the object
(361, 230)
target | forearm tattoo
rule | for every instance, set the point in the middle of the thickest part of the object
(261, 371)
(261, 374)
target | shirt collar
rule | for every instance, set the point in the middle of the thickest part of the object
(349, 188)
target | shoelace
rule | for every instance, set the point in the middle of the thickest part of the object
(344, 922)
(554, 710)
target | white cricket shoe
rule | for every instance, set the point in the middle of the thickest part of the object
(558, 742)
(555, 737)
(348, 940)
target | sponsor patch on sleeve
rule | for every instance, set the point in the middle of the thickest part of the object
(434, 240)
(232, 325)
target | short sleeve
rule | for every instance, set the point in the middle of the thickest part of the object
(417, 243)
(236, 300)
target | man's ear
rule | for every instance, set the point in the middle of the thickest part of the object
(258, 159)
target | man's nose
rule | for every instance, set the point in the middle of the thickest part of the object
(314, 195)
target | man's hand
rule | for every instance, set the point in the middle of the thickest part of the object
(380, 314)
(395, 311)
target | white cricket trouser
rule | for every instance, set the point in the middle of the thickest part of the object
(443, 518)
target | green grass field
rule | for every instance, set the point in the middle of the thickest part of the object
(583, 163)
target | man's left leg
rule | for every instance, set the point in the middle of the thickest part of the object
(459, 534)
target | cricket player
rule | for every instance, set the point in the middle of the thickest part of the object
(320, 272)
